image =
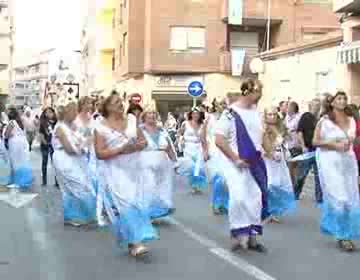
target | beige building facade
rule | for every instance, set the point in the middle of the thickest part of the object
(303, 71)
(160, 48)
(349, 51)
(5, 49)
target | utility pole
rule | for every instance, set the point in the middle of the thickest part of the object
(11, 44)
(268, 26)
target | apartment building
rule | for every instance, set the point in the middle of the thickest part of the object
(349, 51)
(5, 55)
(98, 47)
(161, 46)
(40, 78)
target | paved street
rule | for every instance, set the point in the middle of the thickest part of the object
(194, 245)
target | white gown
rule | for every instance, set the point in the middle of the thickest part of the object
(281, 198)
(192, 165)
(338, 173)
(245, 197)
(121, 179)
(20, 157)
(158, 174)
(73, 178)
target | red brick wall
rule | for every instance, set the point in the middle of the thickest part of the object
(296, 18)
(148, 26)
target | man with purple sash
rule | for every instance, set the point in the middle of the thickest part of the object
(239, 139)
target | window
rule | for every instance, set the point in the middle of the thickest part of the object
(124, 44)
(187, 39)
(121, 13)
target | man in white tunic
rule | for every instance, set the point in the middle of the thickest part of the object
(239, 138)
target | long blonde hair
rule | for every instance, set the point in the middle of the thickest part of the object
(272, 131)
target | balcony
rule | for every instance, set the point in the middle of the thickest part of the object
(239, 12)
(346, 6)
(4, 87)
(4, 3)
(104, 39)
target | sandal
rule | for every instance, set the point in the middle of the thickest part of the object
(138, 250)
(346, 245)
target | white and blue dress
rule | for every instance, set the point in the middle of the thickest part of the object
(158, 174)
(192, 165)
(121, 179)
(5, 166)
(19, 155)
(281, 198)
(79, 201)
(338, 172)
(220, 194)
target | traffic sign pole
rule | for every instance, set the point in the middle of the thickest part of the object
(194, 102)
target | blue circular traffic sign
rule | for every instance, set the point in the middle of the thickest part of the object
(195, 89)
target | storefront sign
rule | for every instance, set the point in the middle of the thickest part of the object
(176, 80)
(136, 98)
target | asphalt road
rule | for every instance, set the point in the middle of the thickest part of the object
(194, 244)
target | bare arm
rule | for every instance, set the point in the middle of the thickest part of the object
(65, 141)
(318, 142)
(141, 142)
(267, 146)
(204, 143)
(101, 149)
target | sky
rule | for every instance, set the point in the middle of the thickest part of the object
(44, 24)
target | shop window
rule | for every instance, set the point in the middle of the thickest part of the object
(187, 39)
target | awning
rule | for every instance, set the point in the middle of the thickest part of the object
(349, 53)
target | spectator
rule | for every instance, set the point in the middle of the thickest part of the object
(305, 130)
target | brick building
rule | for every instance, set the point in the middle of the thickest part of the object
(161, 45)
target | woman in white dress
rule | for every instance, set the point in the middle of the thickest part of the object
(281, 197)
(19, 154)
(71, 170)
(158, 164)
(118, 142)
(220, 195)
(192, 165)
(85, 125)
(338, 172)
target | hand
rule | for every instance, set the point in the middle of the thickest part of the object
(342, 146)
(140, 144)
(206, 156)
(241, 164)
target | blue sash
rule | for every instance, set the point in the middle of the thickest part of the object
(248, 152)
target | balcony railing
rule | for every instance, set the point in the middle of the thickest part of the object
(346, 6)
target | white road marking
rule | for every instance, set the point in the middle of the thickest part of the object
(222, 253)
